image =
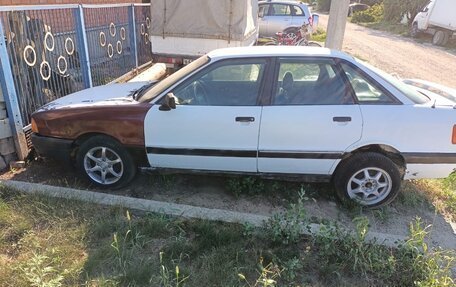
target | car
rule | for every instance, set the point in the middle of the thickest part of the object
(282, 16)
(435, 91)
(307, 114)
(357, 7)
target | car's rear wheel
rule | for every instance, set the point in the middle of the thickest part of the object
(439, 38)
(105, 162)
(370, 179)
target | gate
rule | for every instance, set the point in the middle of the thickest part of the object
(47, 52)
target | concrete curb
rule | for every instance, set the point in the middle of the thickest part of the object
(174, 209)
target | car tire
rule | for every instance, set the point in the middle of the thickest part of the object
(438, 38)
(414, 31)
(105, 162)
(369, 179)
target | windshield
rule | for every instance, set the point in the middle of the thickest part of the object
(445, 92)
(406, 90)
(173, 78)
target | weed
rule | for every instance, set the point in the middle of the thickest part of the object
(245, 185)
(319, 35)
(291, 268)
(431, 268)
(170, 278)
(126, 247)
(39, 271)
(286, 227)
(267, 275)
(372, 15)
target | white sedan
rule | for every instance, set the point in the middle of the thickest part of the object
(308, 113)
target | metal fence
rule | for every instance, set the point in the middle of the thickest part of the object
(47, 52)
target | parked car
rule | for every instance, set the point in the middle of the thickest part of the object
(310, 114)
(282, 16)
(357, 7)
(435, 91)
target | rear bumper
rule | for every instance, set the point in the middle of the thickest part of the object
(59, 149)
(419, 170)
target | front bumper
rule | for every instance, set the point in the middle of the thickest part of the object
(58, 149)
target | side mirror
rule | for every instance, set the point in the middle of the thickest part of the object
(169, 103)
(315, 20)
(261, 14)
(425, 9)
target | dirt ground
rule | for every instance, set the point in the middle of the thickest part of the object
(214, 192)
(400, 55)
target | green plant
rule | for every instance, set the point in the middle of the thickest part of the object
(245, 185)
(267, 275)
(428, 267)
(396, 10)
(319, 35)
(40, 271)
(169, 278)
(371, 15)
(127, 245)
(291, 268)
(286, 227)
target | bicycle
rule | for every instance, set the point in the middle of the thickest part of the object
(301, 38)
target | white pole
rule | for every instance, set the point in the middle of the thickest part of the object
(336, 24)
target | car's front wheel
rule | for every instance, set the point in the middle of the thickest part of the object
(105, 162)
(370, 179)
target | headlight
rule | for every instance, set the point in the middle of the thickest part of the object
(34, 126)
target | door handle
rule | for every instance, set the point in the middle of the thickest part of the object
(245, 119)
(342, 119)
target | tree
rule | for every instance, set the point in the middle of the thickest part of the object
(396, 10)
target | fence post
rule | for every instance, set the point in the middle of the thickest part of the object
(11, 100)
(132, 25)
(83, 47)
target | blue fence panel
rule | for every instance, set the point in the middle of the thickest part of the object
(142, 19)
(60, 49)
(43, 58)
(108, 35)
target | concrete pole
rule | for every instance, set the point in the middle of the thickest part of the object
(336, 24)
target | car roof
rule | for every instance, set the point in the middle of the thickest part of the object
(283, 2)
(277, 51)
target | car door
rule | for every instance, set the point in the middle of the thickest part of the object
(298, 16)
(263, 19)
(279, 18)
(311, 120)
(216, 121)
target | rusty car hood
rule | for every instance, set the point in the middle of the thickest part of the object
(111, 94)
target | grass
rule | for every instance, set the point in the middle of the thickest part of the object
(319, 35)
(55, 242)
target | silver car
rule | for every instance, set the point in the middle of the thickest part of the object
(278, 16)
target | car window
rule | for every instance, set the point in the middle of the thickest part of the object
(263, 9)
(223, 84)
(279, 10)
(365, 91)
(297, 11)
(410, 93)
(310, 83)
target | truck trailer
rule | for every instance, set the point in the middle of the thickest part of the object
(183, 30)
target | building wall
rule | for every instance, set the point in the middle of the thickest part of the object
(47, 2)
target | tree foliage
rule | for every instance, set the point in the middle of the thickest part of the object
(396, 10)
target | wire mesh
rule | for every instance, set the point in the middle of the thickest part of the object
(142, 19)
(44, 60)
(108, 39)
(46, 51)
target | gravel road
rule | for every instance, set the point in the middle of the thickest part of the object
(400, 55)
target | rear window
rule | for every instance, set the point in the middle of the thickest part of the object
(412, 94)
